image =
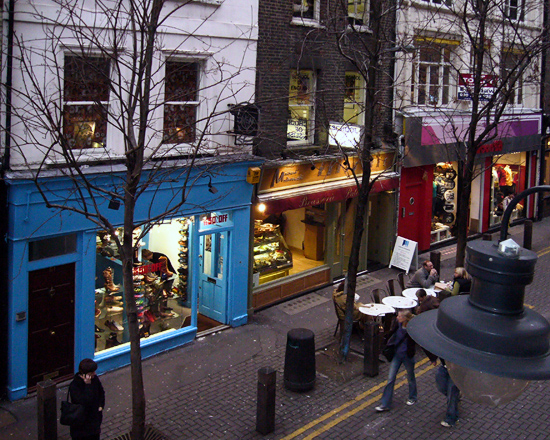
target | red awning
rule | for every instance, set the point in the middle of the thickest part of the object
(301, 200)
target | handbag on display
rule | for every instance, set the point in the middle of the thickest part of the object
(72, 414)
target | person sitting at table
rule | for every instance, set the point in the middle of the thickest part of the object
(339, 299)
(461, 282)
(424, 277)
(425, 302)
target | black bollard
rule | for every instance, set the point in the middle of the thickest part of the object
(265, 411)
(435, 258)
(371, 348)
(46, 403)
(299, 374)
(528, 234)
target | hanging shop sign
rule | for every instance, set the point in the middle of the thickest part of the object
(246, 119)
(466, 85)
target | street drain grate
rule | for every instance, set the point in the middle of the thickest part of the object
(151, 433)
(366, 281)
(303, 303)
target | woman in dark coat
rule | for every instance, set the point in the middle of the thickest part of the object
(87, 390)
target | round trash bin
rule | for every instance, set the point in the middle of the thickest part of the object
(299, 372)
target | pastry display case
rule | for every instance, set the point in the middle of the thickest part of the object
(272, 258)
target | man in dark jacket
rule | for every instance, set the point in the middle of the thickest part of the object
(425, 302)
(87, 390)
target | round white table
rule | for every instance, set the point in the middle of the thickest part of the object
(399, 302)
(374, 309)
(411, 292)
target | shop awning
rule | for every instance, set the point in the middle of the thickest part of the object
(280, 201)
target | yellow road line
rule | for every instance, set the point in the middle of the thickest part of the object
(543, 252)
(342, 407)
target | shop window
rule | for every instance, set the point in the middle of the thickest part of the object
(432, 80)
(513, 10)
(443, 201)
(439, 2)
(181, 102)
(86, 100)
(304, 11)
(301, 107)
(358, 12)
(52, 247)
(508, 179)
(160, 281)
(354, 99)
(511, 65)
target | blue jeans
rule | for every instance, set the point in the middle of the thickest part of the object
(447, 387)
(396, 362)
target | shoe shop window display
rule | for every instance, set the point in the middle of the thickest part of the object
(161, 305)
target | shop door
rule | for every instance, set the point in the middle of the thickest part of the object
(415, 205)
(51, 324)
(213, 278)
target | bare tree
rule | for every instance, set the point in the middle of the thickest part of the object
(113, 57)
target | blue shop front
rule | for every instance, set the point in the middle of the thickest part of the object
(65, 293)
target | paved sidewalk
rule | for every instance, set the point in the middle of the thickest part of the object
(207, 389)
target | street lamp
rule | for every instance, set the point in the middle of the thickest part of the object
(492, 344)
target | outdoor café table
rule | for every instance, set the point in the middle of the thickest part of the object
(374, 309)
(399, 302)
(411, 292)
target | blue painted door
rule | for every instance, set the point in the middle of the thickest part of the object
(213, 276)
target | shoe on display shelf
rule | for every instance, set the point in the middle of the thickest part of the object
(115, 309)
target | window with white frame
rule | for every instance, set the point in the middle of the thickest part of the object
(305, 10)
(181, 91)
(354, 99)
(511, 68)
(431, 79)
(513, 10)
(301, 107)
(358, 12)
(86, 85)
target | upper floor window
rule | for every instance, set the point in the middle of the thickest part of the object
(305, 10)
(86, 101)
(354, 99)
(181, 101)
(511, 69)
(431, 80)
(301, 107)
(358, 12)
(440, 2)
(513, 10)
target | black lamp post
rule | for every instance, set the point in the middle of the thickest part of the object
(489, 332)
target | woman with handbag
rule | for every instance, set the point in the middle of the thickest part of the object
(404, 354)
(86, 389)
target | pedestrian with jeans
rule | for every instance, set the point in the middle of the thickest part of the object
(404, 354)
(446, 386)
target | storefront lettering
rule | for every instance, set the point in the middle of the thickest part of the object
(305, 201)
(215, 219)
(286, 176)
(142, 270)
(491, 148)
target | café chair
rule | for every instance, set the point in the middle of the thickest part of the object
(378, 294)
(403, 279)
(394, 288)
(340, 322)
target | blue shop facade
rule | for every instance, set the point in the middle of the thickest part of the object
(65, 295)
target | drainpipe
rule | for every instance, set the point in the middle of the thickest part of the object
(8, 86)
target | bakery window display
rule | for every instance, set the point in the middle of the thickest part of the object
(272, 258)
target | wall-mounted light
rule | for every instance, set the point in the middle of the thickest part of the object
(211, 187)
(262, 207)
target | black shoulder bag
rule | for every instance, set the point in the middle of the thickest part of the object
(72, 414)
(390, 349)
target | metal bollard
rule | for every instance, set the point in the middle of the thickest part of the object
(435, 258)
(265, 411)
(371, 348)
(46, 403)
(528, 234)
